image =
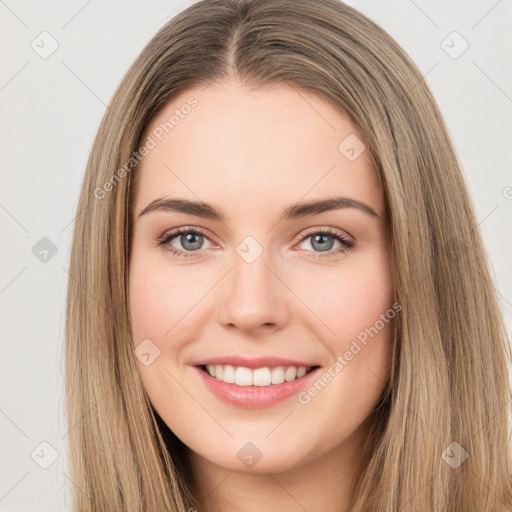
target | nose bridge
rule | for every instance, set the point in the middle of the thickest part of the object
(253, 295)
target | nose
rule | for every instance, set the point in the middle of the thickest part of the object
(254, 297)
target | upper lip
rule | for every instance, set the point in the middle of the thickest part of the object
(256, 362)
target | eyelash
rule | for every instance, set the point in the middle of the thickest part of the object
(164, 241)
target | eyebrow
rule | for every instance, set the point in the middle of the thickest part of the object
(295, 211)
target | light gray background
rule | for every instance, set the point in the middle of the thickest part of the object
(51, 110)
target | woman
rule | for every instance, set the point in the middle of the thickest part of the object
(279, 297)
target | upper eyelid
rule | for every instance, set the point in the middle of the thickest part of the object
(170, 234)
(335, 232)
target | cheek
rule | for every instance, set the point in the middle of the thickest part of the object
(351, 298)
(356, 304)
(148, 309)
(160, 297)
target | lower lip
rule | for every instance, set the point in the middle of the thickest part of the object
(254, 396)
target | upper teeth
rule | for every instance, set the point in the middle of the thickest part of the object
(242, 376)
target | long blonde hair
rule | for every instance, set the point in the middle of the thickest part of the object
(449, 381)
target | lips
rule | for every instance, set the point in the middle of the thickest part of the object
(257, 362)
(254, 396)
(248, 384)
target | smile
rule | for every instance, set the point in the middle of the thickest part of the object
(265, 376)
(257, 387)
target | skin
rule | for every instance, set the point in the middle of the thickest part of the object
(251, 153)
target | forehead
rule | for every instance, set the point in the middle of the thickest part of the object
(246, 148)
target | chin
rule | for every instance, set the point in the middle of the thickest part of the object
(257, 457)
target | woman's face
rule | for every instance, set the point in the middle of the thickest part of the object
(259, 283)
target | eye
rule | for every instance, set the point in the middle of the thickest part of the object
(191, 240)
(323, 240)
